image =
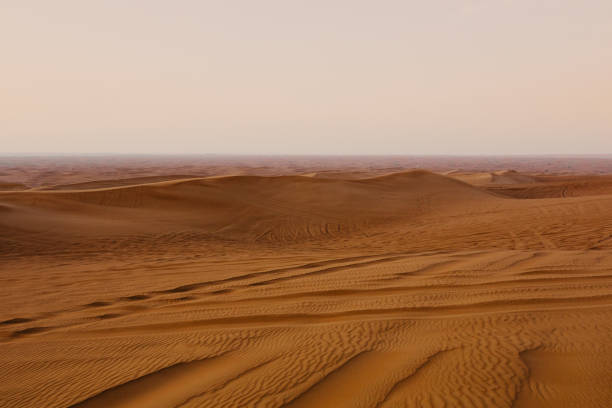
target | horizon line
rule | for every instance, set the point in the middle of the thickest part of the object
(157, 154)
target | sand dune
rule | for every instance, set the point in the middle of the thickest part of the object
(557, 186)
(97, 184)
(4, 186)
(379, 290)
(239, 208)
(511, 177)
(518, 185)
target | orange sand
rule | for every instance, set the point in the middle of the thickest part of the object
(349, 290)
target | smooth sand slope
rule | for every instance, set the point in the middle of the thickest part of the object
(410, 289)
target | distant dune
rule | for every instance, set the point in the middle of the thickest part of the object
(12, 186)
(558, 186)
(504, 177)
(247, 208)
(91, 185)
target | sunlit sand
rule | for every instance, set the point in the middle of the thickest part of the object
(357, 289)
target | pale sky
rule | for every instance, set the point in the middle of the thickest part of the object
(306, 77)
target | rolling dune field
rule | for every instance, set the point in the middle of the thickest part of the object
(321, 289)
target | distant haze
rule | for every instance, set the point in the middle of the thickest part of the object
(306, 77)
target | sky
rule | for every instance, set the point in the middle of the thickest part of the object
(306, 77)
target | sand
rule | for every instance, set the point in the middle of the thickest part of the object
(333, 288)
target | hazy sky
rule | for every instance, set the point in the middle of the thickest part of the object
(312, 76)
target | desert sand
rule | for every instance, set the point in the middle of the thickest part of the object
(308, 285)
